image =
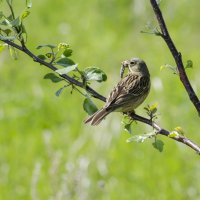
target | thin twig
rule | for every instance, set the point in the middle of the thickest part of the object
(176, 55)
(161, 131)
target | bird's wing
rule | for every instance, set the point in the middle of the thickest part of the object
(130, 87)
(141, 85)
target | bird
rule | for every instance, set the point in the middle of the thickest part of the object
(128, 94)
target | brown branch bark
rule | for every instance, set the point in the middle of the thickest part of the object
(176, 55)
(161, 131)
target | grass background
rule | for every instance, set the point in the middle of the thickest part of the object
(46, 152)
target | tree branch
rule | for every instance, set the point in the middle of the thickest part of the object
(176, 55)
(71, 80)
(161, 131)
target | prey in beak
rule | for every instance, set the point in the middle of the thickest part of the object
(124, 65)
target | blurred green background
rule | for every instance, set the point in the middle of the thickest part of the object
(46, 152)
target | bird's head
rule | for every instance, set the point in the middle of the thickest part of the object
(135, 65)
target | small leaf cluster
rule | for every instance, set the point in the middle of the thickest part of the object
(157, 144)
(151, 111)
(151, 29)
(174, 69)
(59, 56)
(11, 27)
(140, 138)
(176, 132)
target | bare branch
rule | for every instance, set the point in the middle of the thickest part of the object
(177, 56)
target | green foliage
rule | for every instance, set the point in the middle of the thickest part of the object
(65, 62)
(127, 127)
(89, 106)
(28, 3)
(14, 25)
(53, 77)
(67, 69)
(179, 130)
(141, 138)
(151, 110)
(46, 45)
(13, 52)
(172, 68)
(158, 144)
(127, 122)
(176, 132)
(94, 74)
(151, 29)
(189, 64)
(58, 92)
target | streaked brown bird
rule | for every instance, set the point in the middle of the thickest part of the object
(129, 93)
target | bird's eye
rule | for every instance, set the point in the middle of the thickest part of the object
(133, 62)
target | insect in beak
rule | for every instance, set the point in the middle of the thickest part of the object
(124, 64)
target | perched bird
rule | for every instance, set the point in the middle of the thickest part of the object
(129, 93)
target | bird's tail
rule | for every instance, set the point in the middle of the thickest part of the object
(97, 117)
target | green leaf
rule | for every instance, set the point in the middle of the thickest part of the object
(16, 22)
(167, 66)
(25, 14)
(67, 52)
(13, 53)
(42, 57)
(177, 132)
(151, 29)
(63, 46)
(153, 108)
(53, 77)
(46, 45)
(189, 64)
(173, 134)
(28, 3)
(89, 106)
(65, 62)
(95, 74)
(141, 138)
(49, 55)
(126, 121)
(128, 128)
(59, 91)
(66, 69)
(7, 37)
(136, 138)
(158, 144)
(180, 130)
(6, 31)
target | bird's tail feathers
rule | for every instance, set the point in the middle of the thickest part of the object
(97, 117)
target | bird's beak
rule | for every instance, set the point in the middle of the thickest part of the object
(125, 63)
